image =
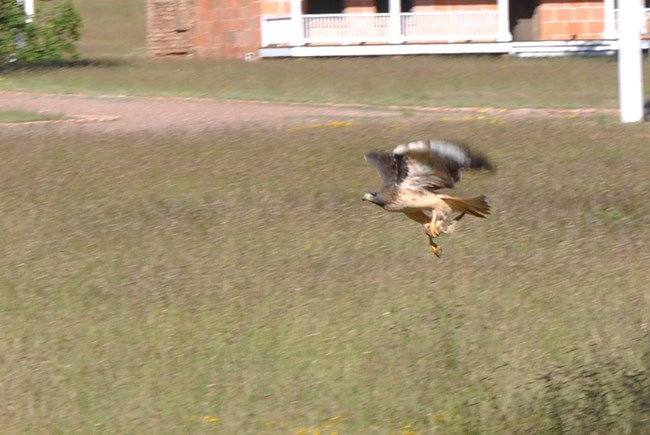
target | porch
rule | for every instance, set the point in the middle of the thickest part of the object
(457, 31)
(488, 24)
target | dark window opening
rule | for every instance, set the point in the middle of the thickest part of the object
(324, 6)
(383, 7)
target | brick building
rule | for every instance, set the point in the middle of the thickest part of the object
(237, 28)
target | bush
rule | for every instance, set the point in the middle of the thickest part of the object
(50, 36)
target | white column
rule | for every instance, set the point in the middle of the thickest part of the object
(297, 31)
(630, 68)
(503, 8)
(395, 22)
(29, 9)
(609, 32)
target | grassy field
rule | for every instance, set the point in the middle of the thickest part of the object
(233, 282)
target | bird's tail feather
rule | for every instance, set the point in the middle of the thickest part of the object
(477, 206)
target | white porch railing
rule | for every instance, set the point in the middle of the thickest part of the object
(375, 28)
(346, 28)
(450, 26)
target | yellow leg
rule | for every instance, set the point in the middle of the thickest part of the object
(435, 227)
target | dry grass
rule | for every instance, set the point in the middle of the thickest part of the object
(234, 281)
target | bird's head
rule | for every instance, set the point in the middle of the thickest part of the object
(374, 197)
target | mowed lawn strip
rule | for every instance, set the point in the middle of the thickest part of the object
(11, 116)
(234, 281)
(429, 81)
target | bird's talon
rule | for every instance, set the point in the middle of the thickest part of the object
(435, 248)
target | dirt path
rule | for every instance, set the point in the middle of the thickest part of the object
(127, 113)
(110, 113)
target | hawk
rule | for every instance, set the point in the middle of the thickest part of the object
(412, 177)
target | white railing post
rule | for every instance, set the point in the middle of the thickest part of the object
(630, 67)
(503, 7)
(609, 32)
(395, 21)
(28, 6)
(297, 30)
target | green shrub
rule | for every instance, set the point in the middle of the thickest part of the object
(50, 36)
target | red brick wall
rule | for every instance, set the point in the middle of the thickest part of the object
(359, 3)
(446, 5)
(359, 6)
(562, 20)
(227, 28)
(275, 7)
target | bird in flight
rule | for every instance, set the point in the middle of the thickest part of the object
(412, 177)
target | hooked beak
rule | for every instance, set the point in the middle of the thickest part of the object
(367, 197)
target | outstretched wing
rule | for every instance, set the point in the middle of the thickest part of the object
(434, 164)
(385, 165)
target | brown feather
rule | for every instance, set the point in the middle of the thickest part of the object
(435, 165)
(385, 165)
(477, 206)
